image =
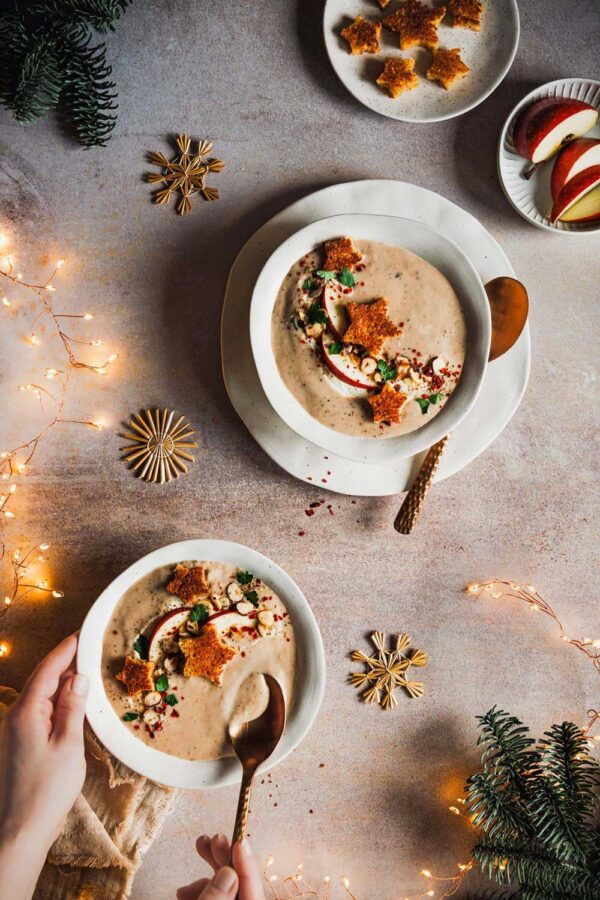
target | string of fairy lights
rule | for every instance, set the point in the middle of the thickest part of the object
(28, 563)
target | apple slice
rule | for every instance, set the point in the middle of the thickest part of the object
(336, 315)
(573, 159)
(166, 627)
(344, 368)
(573, 192)
(585, 210)
(542, 129)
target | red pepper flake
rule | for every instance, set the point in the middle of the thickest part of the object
(309, 512)
(309, 477)
(353, 502)
(115, 632)
(174, 714)
(330, 508)
(324, 480)
(316, 504)
(243, 653)
(321, 765)
(329, 473)
(311, 811)
(301, 533)
(136, 727)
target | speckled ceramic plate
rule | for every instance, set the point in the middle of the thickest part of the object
(531, 198)
(489, 53)
(503, 385)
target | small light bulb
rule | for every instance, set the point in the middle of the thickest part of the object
(51, 373)
(60, 263)
(9, 514)
(454, 810)
(6, 301)
(97, 343)
(34, 339)
(51, 288)
(12, 489)
(4, 649)
(101, 370)
(345, 882)
(19, 276)
(112, 357)
(3, 241)
(7, 600)
(58, 595)
(44, 546)
(88, 316)
(425, 873)
(473, 588)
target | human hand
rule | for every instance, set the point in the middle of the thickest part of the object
(42, 762)
(243, 881)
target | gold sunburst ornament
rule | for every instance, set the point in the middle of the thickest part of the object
(185, 174)
(159, 448)
(388, 670)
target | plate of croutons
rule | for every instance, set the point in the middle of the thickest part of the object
(418, 60)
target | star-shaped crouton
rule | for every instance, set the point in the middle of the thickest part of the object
(384, 3)
(387, 404)
(136, 675)
(340, 254)
(362, 35)
(466, 13)
(370, 325)
(416, 24)
(398, 75)
(188, 583)
(446, 66)
(206, 655)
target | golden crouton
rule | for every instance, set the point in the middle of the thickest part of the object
(206, 655)
(362, 35)
(446, 66)
(398, 76)
(416, 24)
(466, 13)
(387, 404)
(384, 3)
(340, 254)
(188, 583)
(370, 325)
(136, 675)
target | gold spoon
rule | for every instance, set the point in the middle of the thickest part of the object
(254, 742)
(509, 306)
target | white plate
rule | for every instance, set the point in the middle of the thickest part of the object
(532, 198)
(489, 53)
(504, 383)
(184, 773)
(427, 244)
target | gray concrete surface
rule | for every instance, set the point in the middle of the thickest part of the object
(254, 77)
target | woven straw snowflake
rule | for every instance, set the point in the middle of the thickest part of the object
(387, 670)
(185, 174)
(159, 447)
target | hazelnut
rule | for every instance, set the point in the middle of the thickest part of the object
(266, 618)
(368, 365)
(193, 627)
(244, 608)
(171, 664)
(151, 717)
(152, 698)
(315, 331)
(234, 592)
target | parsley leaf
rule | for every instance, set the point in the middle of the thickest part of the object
(244, 577)
(386, 371)
(347, 278)
(423, 403)
(435, 398)
(199, 613)
(316, 313)
(171, 699)
(335, 348)
(141, 646)
(252, 596)
(162, 683)
(130, 716)
(326, 276)
(308, 285)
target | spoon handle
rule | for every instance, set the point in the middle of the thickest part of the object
(241, 817)
(414, 501)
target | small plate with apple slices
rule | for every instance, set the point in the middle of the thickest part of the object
(549, 157)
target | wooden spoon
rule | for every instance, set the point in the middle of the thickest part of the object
(509, 306)
(254, 742)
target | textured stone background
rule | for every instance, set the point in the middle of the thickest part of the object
(255, 78)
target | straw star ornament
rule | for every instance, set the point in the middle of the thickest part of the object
(388, 670)
(185, 174)
(159, 447)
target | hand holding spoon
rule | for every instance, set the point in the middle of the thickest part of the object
(254, 742)
(509, 306)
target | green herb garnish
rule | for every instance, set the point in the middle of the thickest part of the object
(130, 716)
(386, 371)
(141, 646)
(316, 313)
(435, 398)
(326, 276)
(171, 699)
(252, 596)
(423, 403)
(162, 683)
(335, 348)
(308, 285)
(199, 613)
(244, 577)
(347, 278)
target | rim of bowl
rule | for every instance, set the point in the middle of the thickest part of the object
(563, 232)
(373, 450)
(163, 767)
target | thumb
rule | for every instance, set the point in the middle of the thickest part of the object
(70, 709)
(222, 887)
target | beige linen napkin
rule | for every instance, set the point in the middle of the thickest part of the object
(112, 824)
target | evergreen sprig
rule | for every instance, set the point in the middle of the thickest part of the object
(534, 807)
(48, 60)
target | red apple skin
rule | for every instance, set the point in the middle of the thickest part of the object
(574, 189)
(330, 323)
(160, 622)
(340, 374)
(565, 161)
(534, 122)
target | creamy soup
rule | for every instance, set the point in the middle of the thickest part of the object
(422, 359)
(231, 630)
